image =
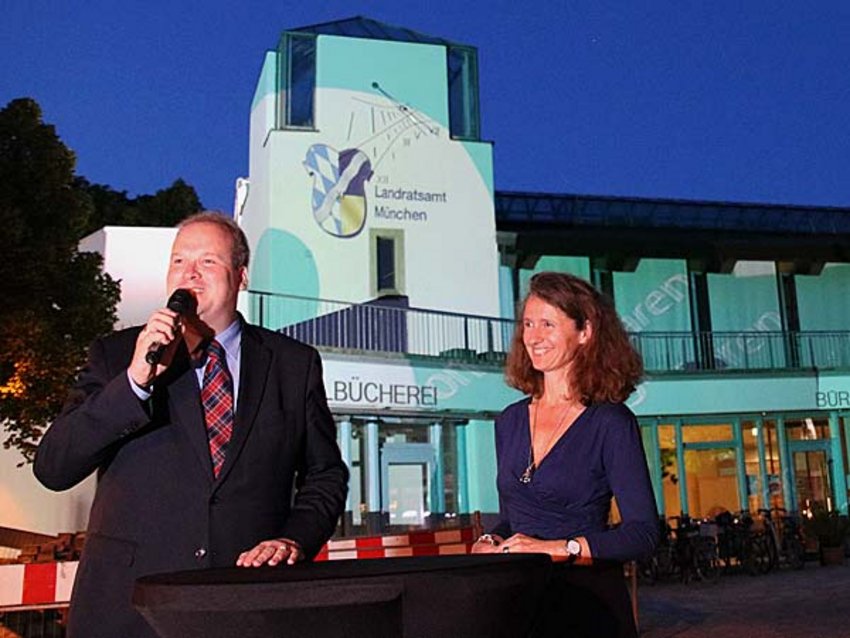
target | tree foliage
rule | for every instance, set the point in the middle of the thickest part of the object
(56, 300)
(114, 208)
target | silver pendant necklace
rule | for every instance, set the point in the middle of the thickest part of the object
(526, 475)
(528, 472)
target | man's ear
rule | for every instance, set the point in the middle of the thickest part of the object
(243, 278)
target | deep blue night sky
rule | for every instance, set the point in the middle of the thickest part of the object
(718, 101)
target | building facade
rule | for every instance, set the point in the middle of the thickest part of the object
(739, 312)
(379, 238)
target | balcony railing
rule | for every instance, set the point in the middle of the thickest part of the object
(388, 326)
(384, 326)
(672, 351)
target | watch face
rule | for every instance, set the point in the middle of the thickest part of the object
(573, 547)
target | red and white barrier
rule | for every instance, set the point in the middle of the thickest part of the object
(36, 584)
(444, 542)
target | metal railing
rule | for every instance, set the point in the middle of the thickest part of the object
(44, 623)
(389, 326)
(384, 325)
(670, 351)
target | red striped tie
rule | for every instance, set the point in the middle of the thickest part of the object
(217, 399)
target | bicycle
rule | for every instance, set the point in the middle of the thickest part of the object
(662, 564)
(790, 545)
(696, 550)
(741, 545)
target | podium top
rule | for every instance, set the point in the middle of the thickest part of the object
(344, 569)
(419, 597)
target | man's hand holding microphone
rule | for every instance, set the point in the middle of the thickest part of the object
(158, 339)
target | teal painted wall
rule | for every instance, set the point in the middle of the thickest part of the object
(745, 300)
(427, 88)
(824, 301)
(507, 304)
(578, 266)
(481, 466)
(481, 154)
(654, 298)
(465, 389)
(686, 395)
(282, 263)
(267, 84)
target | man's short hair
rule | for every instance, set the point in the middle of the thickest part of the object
(241, 252)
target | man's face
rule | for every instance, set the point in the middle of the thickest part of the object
(202, 262)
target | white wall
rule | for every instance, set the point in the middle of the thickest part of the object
(137, 256)
(26, 504)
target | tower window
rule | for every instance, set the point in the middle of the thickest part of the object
(297, 73)
(387, 262)
(463, 93)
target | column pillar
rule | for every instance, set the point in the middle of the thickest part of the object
(343, 439)
(438, 489)
(462, 473)
(372, 475)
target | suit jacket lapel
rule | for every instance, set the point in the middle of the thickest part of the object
(255, 360)
(184, 400)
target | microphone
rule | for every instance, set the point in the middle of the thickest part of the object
(182, 302)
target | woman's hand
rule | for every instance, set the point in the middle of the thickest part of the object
(522, 544)
(487, 544)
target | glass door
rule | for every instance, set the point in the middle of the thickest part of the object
(407, 471)
(408, 493)
(810, 463)
(811, 479)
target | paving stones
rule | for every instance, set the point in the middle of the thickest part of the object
(810, 603)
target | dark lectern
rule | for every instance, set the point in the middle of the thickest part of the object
(435, 596)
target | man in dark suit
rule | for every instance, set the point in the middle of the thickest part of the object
(223, 453)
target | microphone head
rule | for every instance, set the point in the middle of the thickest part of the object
(182, 302)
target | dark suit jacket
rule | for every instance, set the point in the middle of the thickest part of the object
(157, 507)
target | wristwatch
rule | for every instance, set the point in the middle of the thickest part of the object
(573, 548)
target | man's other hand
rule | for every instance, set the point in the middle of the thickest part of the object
(271, 553)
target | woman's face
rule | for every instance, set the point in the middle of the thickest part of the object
(551, 338)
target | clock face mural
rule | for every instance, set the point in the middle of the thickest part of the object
(379, 164)
(378, 129)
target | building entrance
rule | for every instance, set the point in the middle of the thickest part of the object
(407, 472)
(811, 468)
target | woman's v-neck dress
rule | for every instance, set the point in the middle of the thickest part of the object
(569, 495)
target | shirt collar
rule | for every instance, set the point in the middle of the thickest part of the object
(231, 337)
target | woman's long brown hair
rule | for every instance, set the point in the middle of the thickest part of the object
(606, 368)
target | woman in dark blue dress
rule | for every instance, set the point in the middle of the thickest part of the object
(566, 450)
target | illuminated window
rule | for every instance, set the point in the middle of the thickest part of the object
(698, 433)
(807, 429)
(712, 482)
